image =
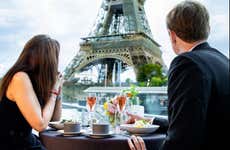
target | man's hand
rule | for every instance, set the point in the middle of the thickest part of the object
(136, 143)
(133, 118)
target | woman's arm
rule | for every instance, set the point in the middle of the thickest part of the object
(57, 109)
(20, 90)
(58, 106)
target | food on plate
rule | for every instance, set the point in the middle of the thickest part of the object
(66, 121)
(59, 124)
(142, 124)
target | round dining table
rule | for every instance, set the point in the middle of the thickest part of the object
(54, 140)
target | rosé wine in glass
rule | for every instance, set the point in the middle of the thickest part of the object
(121, 102)
(91, 101)
(90, 105)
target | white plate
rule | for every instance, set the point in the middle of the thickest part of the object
(70, 133)
(97, 136)
(56, 124)
(134, 130)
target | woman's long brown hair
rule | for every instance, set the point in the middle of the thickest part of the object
(39, 59)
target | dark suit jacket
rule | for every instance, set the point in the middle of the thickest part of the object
(199, 101)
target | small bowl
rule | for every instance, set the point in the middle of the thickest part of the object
(99, 128)
(72, 127)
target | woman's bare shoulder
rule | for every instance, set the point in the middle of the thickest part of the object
(19, 81)
(21, 76)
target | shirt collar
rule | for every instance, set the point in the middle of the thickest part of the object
(199, 43)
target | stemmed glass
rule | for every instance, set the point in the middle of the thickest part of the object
(90, 105)
(121, 102)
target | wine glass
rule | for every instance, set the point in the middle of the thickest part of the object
(91, 102)
(90, 105)
(121, 102)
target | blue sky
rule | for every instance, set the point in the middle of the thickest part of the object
(69, 20)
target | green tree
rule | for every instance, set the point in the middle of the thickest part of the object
(151, 75)
(128, 81)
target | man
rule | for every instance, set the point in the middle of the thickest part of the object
(198, 85)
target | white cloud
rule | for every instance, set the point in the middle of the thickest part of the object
(2, 69)
(1, 66)
(222, 22)
(69, 20)
(7, 17)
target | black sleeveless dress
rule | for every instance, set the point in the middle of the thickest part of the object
(15, 131)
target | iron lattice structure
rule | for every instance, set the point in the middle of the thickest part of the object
(121, 33)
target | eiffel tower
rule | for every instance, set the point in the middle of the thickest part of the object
(120, 37)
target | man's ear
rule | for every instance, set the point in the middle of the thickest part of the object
(173, 36)
(174, 41)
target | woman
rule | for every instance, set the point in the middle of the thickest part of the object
(29, 94)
